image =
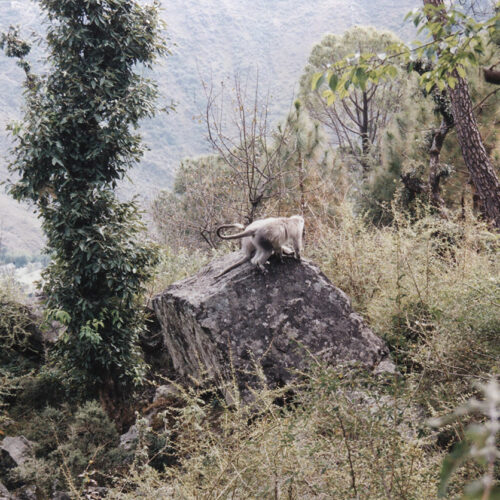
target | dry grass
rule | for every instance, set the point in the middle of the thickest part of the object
(337, 439)
(431, 288)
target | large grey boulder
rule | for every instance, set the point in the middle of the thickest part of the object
(278, 321)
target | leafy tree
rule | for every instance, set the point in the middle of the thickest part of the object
(452, 60)
(75, 142)
(302, 144)
(310, 178)
(456, 40)
(403, 146)
(429, 163)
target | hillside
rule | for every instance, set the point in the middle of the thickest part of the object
(211, 38)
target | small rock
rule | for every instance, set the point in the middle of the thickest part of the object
(165, 392)
(95, 492)
(61, 495)
(14, 451)
(129, 439)
(385, 366)
(26, 493)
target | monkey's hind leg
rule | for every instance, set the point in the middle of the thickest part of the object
(264, 250)
(260, 258)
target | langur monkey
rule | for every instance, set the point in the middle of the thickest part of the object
(266, 236)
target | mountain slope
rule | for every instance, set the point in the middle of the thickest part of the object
(214, 38)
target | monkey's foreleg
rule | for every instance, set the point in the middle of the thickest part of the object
(297, 252)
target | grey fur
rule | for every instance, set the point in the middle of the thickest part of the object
(263, 237)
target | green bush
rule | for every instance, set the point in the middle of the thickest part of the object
(20, 354)
(17, 327)
(48, 387)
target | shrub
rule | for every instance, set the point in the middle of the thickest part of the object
(339, 437)
(429, 287)
(75, 142)
(72, 450)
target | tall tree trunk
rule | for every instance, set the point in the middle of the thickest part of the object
(471, 144)
(473, 151)
(364, 132)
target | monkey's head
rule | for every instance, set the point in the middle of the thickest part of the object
(299, 220)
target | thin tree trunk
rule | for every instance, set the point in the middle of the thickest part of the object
(474, 153)
(301, 182)
(434, 174)
(364, 132)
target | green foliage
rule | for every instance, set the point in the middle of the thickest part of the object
(18, 353)
(91, 437)
(403, 148)
(337, 52)
(457, 41)
(17, 326)
(353, 124)
(72, 449)
(480, 444)
(14, 46)
(48, 387)
(306, 157)
(75, 143)
(405, 143)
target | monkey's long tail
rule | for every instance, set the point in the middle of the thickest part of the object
(237, 264)
(249, 232)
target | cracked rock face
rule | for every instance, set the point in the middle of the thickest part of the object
(278, 321)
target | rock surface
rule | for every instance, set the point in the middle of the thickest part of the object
(14, 451)
(4, 493)
(278, 321)
(129, 439)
